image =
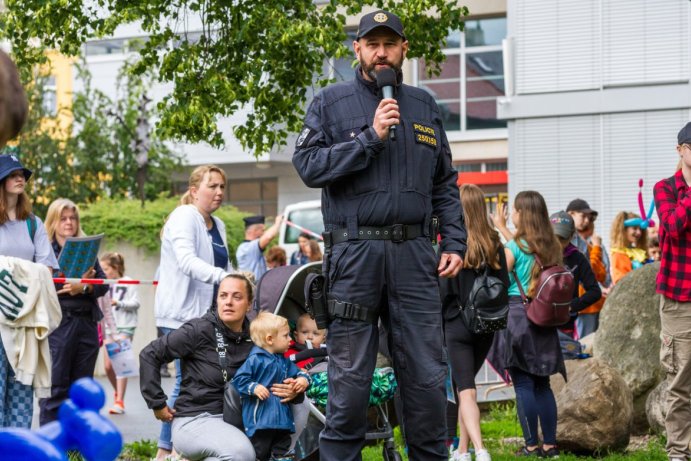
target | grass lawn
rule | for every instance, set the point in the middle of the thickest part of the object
(502, 436)
(501, 432)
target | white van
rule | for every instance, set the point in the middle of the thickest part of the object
(298, 218)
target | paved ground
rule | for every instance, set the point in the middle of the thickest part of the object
(138, 422)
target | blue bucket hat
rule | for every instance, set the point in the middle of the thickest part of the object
(9, 164)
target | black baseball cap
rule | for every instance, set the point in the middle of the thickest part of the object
(684, 136)
(252, 220)
(380, 18)
(580, 205)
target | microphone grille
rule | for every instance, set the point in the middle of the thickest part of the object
(386, 77)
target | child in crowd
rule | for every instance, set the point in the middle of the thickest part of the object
(275, 257)
(308, 350)
(653, 250)
(125, 304)
(578, 264)
(629, 245)
(268, 422)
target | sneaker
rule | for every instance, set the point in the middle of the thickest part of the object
(118, 408)
(482, 455)
(537, 453)
(456, 456)
(551, 453)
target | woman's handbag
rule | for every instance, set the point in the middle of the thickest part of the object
(232, 405)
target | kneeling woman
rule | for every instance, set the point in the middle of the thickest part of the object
(198, 428)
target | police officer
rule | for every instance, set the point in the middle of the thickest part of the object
(378, 198)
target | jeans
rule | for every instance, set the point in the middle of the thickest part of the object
(535, 401)
(587, 324)
(165, 437)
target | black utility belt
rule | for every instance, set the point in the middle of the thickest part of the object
(395, 233)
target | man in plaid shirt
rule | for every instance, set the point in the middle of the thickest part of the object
(673, 202)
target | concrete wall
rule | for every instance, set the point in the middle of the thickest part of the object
(140, 265)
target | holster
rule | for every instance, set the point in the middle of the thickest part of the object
(433, 228)
(316, 299)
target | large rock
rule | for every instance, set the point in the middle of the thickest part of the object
(656, 406)
(628, 338)
(594, 408)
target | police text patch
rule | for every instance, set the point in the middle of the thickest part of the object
(425, 134)
(424, 129)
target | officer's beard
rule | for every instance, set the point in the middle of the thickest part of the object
(370, 69)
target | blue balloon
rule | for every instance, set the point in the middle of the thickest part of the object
(79, 427)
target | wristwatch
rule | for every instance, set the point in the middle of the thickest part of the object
(85, 290)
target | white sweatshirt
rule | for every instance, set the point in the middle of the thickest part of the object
(187, 273)
(29, 312)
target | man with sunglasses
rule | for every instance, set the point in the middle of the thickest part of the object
(673, 203)
(590, 244)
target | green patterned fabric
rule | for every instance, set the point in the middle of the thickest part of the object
(383, 387)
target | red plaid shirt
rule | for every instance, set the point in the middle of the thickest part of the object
(674, 278)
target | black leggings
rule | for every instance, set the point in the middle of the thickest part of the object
(467, 352)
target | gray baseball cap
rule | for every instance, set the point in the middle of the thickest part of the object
(563, 225)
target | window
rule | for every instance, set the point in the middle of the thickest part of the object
(496, 166)
(116, 46)
(469, 167)
(471, 78)
(50, 98)
(258, 196)
(342, 69)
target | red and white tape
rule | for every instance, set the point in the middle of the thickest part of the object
(104, 281)
(304, 229)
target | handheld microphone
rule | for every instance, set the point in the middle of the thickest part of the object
(386, 80)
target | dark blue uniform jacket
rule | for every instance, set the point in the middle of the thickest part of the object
(369, 182)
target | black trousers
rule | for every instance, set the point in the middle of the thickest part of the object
(398, 281)
(73, 352)
(271, 443)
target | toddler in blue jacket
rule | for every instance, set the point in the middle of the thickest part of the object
(268, 422)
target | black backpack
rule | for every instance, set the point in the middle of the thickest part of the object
(487, 306)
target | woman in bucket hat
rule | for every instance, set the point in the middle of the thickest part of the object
(22, 235)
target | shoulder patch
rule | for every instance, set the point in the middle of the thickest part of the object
(305, 136)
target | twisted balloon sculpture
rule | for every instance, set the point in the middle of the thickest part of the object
(79, 427)
(645, 220)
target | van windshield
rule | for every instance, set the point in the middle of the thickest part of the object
(310, 219)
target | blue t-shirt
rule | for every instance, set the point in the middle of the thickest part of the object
(251, 258)
(523, 265)
(220, 251)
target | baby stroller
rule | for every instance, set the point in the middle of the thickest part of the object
(282, 291)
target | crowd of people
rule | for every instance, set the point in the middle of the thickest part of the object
(239, 389)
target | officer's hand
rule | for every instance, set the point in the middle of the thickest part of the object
(449, 265)
(385, 116)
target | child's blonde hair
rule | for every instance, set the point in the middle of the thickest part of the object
(264, 325)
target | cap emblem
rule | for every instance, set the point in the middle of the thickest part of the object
(380, 17)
